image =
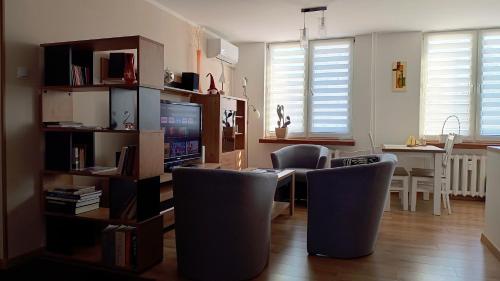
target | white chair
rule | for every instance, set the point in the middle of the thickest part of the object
(400, 175)
(422, 180)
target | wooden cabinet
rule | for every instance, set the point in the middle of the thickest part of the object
(224, 130)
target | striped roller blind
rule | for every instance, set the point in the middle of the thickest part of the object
(285, 85)
(448, 76)
(490, 83)
(330, 74)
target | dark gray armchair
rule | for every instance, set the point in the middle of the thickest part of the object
(222, 222)
(345, 206)
(302, 158)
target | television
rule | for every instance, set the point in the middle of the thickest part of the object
(181, 125)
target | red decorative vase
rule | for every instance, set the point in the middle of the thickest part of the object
(128, 71)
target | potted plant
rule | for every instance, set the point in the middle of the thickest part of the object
(282, 129)
(228, 129)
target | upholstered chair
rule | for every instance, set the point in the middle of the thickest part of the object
(345, 205)
(222, 222)
(301, 158)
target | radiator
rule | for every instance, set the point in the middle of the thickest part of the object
(467, 174)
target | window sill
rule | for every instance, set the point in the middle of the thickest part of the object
(468, 144)
(319, 141)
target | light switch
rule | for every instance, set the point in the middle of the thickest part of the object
(22, 72)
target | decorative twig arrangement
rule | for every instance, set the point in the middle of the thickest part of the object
(281, 117)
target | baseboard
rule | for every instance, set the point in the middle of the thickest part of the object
(7, 263)
(493, 249)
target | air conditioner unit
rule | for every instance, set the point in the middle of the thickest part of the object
(223, 50)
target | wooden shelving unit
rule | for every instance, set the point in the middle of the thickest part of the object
(224, 145)
(77, 238)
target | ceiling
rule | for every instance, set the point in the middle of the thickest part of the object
(280, 20)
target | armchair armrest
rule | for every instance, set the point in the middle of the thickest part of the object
(323, 158)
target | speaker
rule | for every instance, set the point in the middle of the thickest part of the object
(190, 81)
(116, 65)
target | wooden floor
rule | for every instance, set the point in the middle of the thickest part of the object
(411, 246)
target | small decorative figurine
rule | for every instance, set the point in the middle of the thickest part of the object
(212, 90)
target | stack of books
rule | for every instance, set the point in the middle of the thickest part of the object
(72, 200)
(120, 246)
(126, 160)
(80, 75)
(79, 153)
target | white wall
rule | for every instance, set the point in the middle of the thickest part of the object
(251, 64)
(397, 113)
(371, 82)
(32, 22)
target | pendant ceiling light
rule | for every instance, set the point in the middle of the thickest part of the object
(304, 38)
(322, 26)
(304, 33)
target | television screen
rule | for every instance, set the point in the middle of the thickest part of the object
(181, 123)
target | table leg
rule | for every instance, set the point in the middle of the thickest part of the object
(437, 183)
(292, 195)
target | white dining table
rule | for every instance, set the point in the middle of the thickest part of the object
(427, 151)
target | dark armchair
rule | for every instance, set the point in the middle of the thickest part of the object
(222, 222)
(302, 158)
(345, 206)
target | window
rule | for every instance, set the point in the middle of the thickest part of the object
(314, 86)
(448, 82)
(490, 84)
(462, 81)
(285, 85)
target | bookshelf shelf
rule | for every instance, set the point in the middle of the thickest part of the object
(99, 215)
(89, 255)
(88, 130)
(178, 91)
(87, 174)
(88, 88)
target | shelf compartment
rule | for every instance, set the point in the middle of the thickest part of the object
(61, 55)
(89, 250)
(59, 149)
